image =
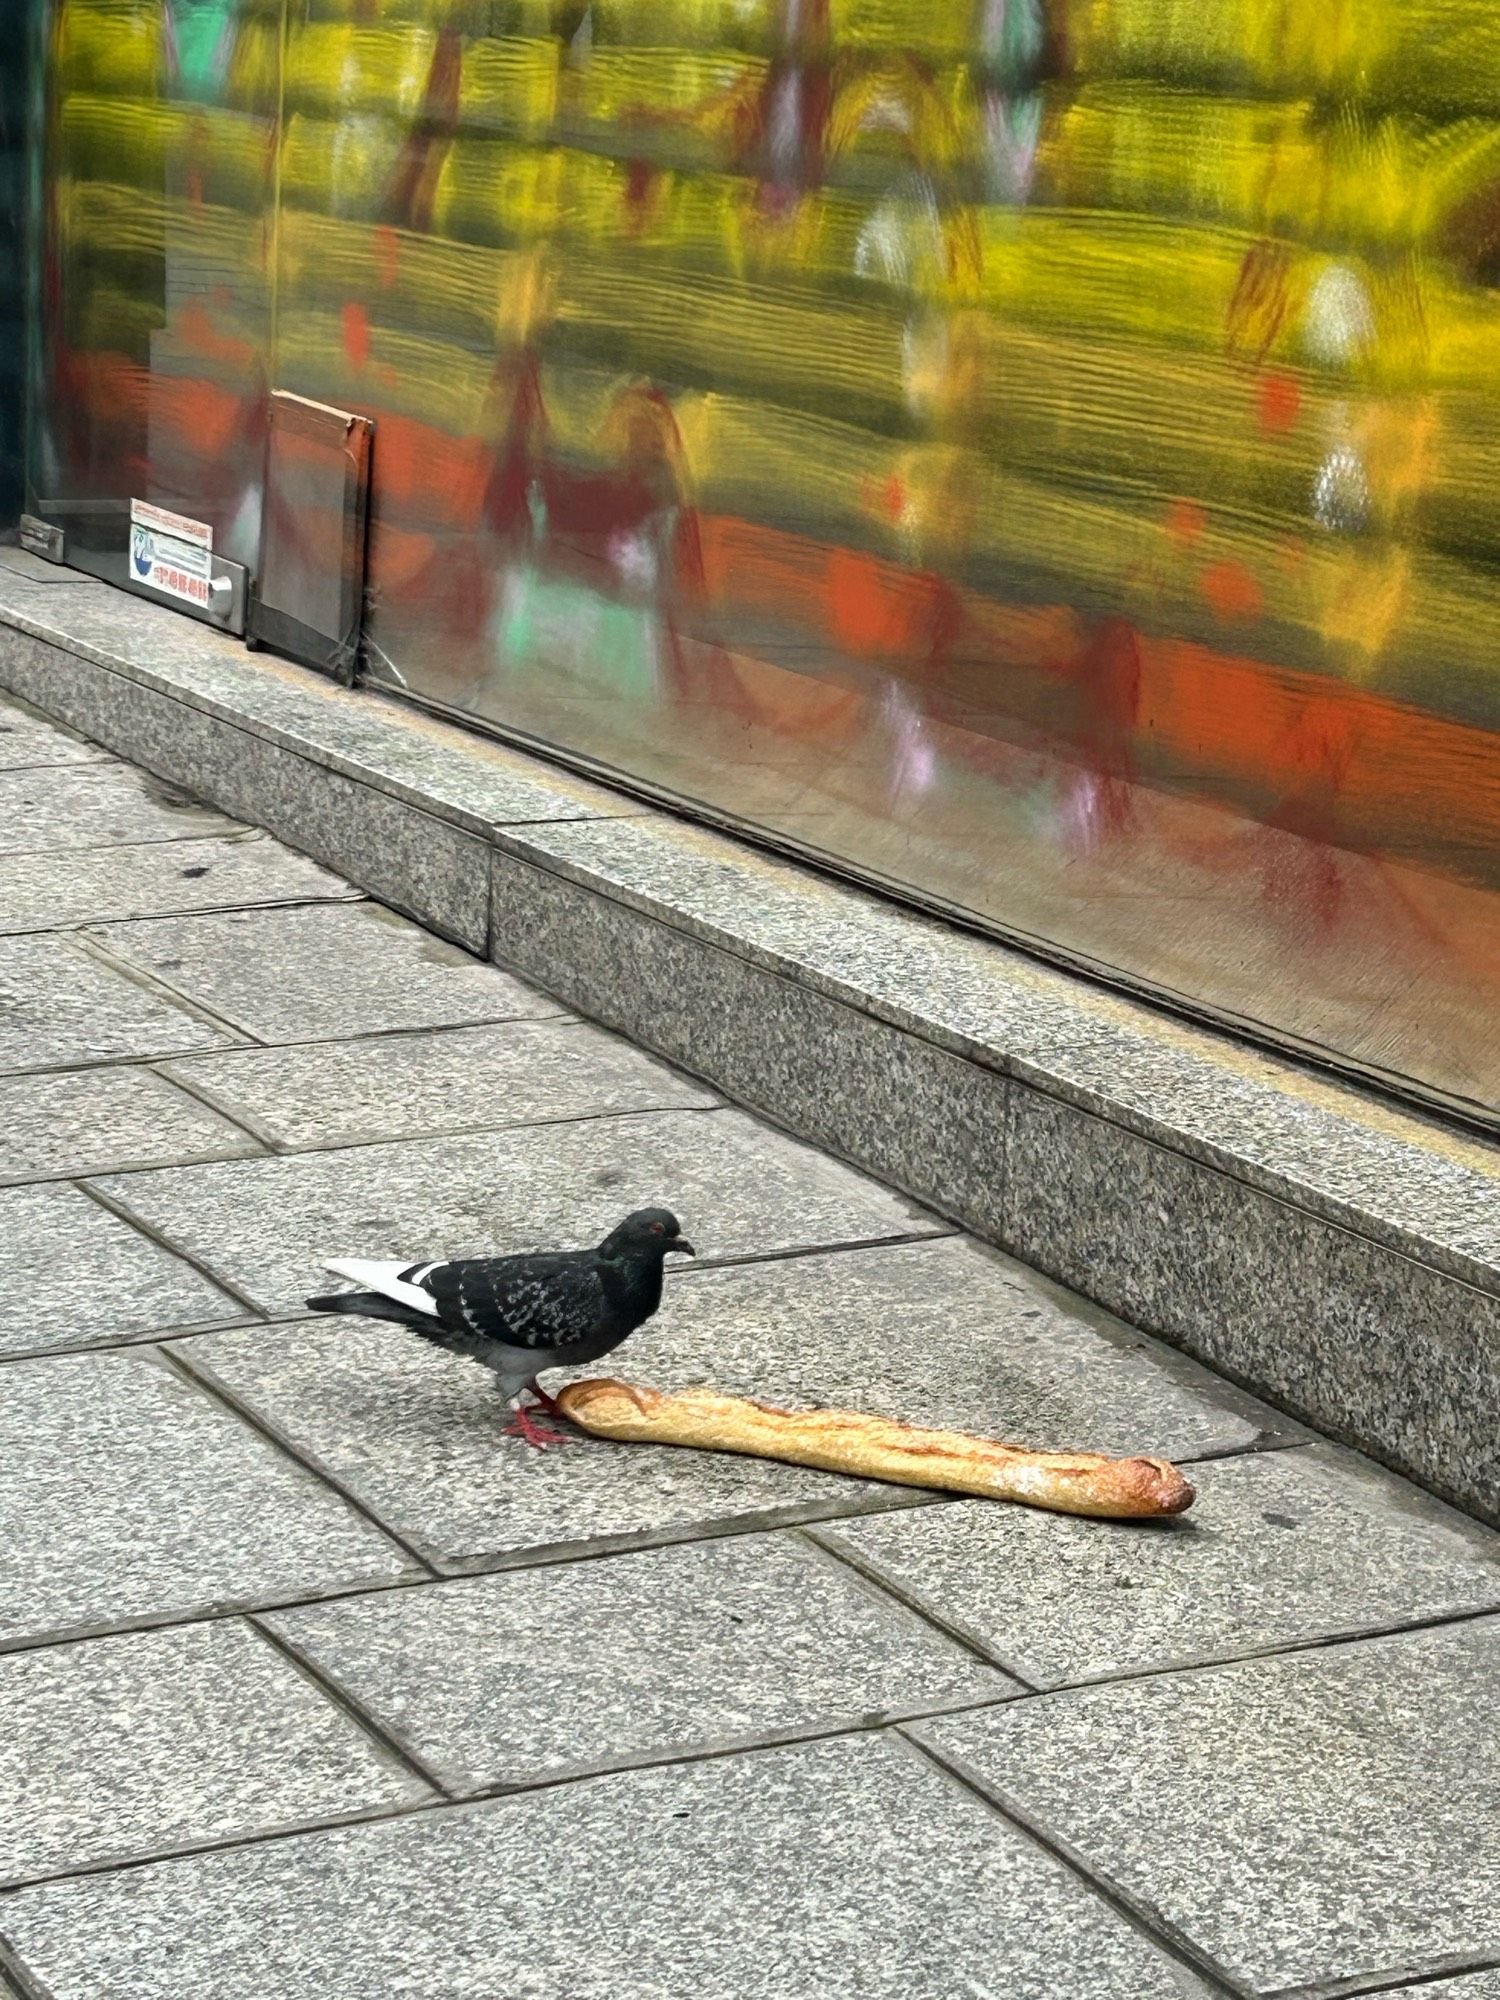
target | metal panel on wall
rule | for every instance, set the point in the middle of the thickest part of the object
(309, 598)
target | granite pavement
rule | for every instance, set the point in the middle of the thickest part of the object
(313, 1686)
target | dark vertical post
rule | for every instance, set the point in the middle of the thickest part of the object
(17, 52)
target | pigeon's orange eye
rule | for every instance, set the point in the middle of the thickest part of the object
(656, 1229)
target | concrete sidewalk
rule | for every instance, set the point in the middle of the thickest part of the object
(313, 1687)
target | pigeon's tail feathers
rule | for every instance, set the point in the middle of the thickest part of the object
(391, 1280)
(373, 1305)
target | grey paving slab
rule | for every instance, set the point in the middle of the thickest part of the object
(674, 1651)
(89, 1121)
(59, 1005)
(106, 805)
(1281, 1548)
(28, 739)
(127, 1494)
(416, 1435)
(322, 973)
(71, 1272)
(948, 1333)
(837, 1871)
(1311, 1818)
(120, 1747)
(40, 892)
(458, 1080)
(739, 1188)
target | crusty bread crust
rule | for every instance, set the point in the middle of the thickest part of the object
(1068, 1482)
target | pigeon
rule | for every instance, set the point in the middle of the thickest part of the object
(520, 1315)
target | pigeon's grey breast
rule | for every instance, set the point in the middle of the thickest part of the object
(516, 1366)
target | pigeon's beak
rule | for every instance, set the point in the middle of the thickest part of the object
(680, 1243)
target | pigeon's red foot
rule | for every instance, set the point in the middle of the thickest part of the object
(525, 1426)
(549, 1403)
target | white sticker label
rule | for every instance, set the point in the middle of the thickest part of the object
(162, 521)
(162, 562)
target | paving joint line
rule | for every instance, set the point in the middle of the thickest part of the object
(125, 1343)
(499, 1793)
(337, 1593)
(10, 1182)
(122, 1213)
(1129, 1676)
(250, 1042)
(162, 1068)
(102, 918)
(135, 1059)
(1164, 1935)
(106, 954)
(1359, 1985)
(246, 1121)
(90, 948)
(278, 1149)
(1319, 1643)
(389, 1738)
(756, 1743)
(190, 1850)
(81, 847)
(221, 1611)
(13, 1968)
(203, 1377)
(108, 762)
(545, 1556)
(849, 1560)
(765, 1520)
(800, 1521)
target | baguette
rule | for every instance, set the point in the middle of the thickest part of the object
(1068, 1482)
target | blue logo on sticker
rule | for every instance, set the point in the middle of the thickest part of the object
(140, 552)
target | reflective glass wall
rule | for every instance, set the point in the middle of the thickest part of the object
(1039, 454)
(159, 159)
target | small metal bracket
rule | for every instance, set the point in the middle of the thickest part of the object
(40, 538)
(228, 585)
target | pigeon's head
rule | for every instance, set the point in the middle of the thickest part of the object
(648, 1232)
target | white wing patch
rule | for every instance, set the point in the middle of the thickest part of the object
(386, 1279)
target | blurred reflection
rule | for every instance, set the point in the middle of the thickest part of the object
(1038, 453)
(161, 151)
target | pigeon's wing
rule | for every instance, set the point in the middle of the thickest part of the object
(388, 1278)
(541, 1302)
